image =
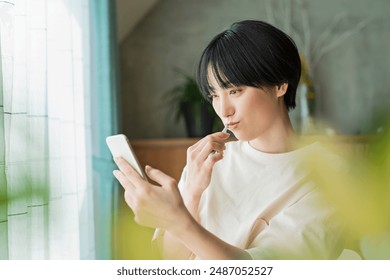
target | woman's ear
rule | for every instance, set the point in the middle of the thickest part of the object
(281, 89)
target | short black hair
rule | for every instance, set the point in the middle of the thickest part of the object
(251, 53)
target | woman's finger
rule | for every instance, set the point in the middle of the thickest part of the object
(212, 159)
(129, 171)
(129, 198)
(160, 177)
(123, 180)
(203, 148)
(215, 137)
(210, 149)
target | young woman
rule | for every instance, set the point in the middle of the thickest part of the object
(249, 199)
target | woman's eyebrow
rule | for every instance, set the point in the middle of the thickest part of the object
(230, 86)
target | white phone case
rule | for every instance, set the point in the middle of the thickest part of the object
(120, 146)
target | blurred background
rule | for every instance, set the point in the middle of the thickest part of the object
(344, 92)
(346, 43)
(74, 72)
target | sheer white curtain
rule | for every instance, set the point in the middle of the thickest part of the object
(46, 206)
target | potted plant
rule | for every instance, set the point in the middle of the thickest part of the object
(188, 102)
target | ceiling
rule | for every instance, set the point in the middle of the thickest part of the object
(129, 13)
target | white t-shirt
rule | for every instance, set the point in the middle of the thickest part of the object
(265, 204)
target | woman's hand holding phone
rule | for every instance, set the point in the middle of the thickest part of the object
(158, 206)
(154, 206)
(162, 205)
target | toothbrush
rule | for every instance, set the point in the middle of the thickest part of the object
(224, 130)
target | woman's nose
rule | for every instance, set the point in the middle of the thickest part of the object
(226, 108)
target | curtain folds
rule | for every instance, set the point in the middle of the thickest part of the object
(52, 127)
(105, 87)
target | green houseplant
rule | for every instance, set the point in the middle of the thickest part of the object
(188, 102)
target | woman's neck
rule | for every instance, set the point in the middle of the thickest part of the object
(280, 138)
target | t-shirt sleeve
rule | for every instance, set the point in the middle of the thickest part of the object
(307, 229)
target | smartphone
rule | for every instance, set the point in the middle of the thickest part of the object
(120, 146)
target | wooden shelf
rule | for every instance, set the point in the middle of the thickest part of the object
(168, 155)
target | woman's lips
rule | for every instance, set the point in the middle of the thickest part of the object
(232, 125)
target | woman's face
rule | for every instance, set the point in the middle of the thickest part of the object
(249, 112)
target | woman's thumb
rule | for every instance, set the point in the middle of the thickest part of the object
(159, 177)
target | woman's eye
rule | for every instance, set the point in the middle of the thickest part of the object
(212, 96)
(234, 91)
